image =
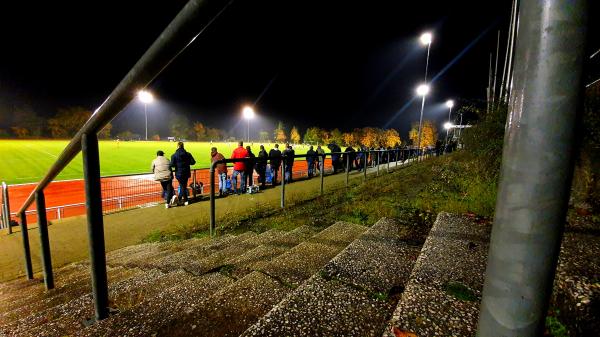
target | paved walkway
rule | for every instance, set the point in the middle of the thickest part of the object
(68, 237)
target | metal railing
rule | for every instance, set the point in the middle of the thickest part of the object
(366, 159)
(179, 34)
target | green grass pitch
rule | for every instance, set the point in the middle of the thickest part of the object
(25, 161)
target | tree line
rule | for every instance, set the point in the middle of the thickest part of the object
(25, 123)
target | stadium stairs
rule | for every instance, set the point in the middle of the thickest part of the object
(344, 280)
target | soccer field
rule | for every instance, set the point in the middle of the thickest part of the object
(25, 161)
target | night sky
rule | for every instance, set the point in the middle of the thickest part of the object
(331, 64)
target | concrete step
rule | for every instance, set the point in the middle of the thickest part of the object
(158, 251)
(22, 289)
(260, 256)
(143, 319)
(27, 312)
(354, 294)
(183, 258)
(230, 311)
(443, 295)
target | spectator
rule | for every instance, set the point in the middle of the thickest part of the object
(221, 170)
(310, 161)
(161, 167)
(288, 156)
(261, 166)
(250, 166)
(239, 169)
(320, 158)
(351, 153)
(335, 157)
(275, 163)
(181, 161)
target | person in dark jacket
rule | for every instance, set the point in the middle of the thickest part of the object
(288, 155)
(181, 161)
(250, 166)
(261, 166)
(335, 158)
(350, 155)
(310, 161)
(275, 163)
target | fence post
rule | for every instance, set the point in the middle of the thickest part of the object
(537, 167)
(6, 207)
(378, 158)
(40, 202)
(212, 199)
(322, 159)
(347, 168)
(366, 158)
(283, 181)
(26, 249)
(388, 161)
(194, 185)
(95, 222)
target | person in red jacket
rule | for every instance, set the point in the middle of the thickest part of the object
(239, 168)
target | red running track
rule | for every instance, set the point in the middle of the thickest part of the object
(66, 198)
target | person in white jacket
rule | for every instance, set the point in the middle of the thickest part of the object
(161, 167)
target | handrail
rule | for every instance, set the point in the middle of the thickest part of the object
(178, 35)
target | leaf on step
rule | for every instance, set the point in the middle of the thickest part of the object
(402, 333)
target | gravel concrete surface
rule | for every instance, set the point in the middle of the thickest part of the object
(455, 252)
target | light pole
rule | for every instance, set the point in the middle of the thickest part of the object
(248, 114)
(422, 91)
(145, 97)
(426, 39)
(450, 105)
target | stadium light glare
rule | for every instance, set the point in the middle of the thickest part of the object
(426, 38)
(248, 112)
(450, 104)
(145, 96)
(448, 125)
(423, 90)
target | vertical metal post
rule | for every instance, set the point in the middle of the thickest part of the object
(194, 185)
(283, 182)
(537, 166)
(95, 222)
(40, 202)
(26, 249)
(6, 207)
(213, 219)
(388, 161)
(322, 159)
(366, 157)
(397, 156)
(378, 152)
(347, 168)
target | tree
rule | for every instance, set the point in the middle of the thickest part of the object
(125, 135)
(295, 135)
(325, 136)
(27, 123)
(105, 132)
(20, 132)
(200, 131)
(68, 121)
(180, 127)
(263, 136)
(348, 138)
(428, 134)
(391, 138)
(214, 134)
(369, 137)
(279, 133)
(312, 135)
(336, 136)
